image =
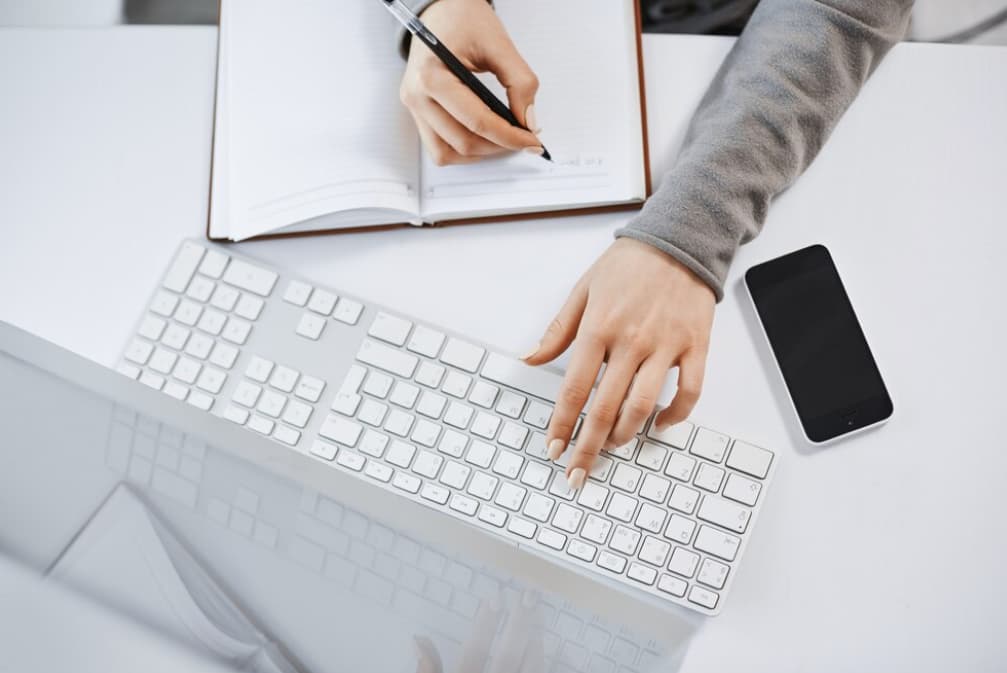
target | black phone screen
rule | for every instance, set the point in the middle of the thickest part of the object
(818, 343)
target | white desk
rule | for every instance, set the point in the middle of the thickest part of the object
(887, 549)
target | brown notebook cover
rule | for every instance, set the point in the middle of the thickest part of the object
(634, 205)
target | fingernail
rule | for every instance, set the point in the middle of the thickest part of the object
(530, 120)
(576, 478)
(537, 151)
(532, 351)
(556, 447)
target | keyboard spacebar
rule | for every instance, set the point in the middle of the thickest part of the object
(516, 374)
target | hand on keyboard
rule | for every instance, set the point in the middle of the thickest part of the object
(519, 650)
(642, 312)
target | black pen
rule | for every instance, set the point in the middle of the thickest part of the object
(413, 24)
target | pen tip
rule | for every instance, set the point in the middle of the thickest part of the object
(545, 154)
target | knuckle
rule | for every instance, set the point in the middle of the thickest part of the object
(480, 125)
(639, 406)
(555, 327)
(427, 78)
(604, 412)
(574, 394)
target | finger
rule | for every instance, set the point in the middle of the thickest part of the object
(562, 330)
(428, 658)
(641, 400)
(691, 367)
(513, 72)
(587, 357)
(477, 647)
(461, 140)
(515, 636)
(601, 416)
(440, 152)
(462, 104)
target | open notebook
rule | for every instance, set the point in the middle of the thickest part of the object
(310, 135)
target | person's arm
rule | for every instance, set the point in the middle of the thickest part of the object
(647, 304)
(775, 100)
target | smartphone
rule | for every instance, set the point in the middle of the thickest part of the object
(828, 368)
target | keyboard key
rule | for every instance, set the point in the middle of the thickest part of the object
(610, 561)
(508, 464)
(641, 573)
(710, 445)
(435, 493)
(271, 404)
(596, 529)
(427, 464)
(309, 388)
(650, 518)
(286, 435)
(378, 471)
(322, 302)
(200, 289)
(676, 436)
(672, 585)
(750, 459)
(539, 507)
(654, 551)
(430, 375)
(621, 507)
(593, 496)
(453, 443)
(152, 380)
(463, 504)
(224, 298)
(260, 424)
(246, 394)
(513, 436)
(522, 527)
(404, 394)
(426, 341)
(462, 355)
(341, 430)
(511, 404)
(391, 360)
(211, 380)
(223, 355)
(516, 374)
(709, 478)
(372, 413)
(297, 293)
(625, 540)
(152, 328)
(455, 474)
(310, 326)
(390, 329)
(510, 496)
(724, 513)
(626, 478)
(128, 370)
(188, 312)
(425, 433)
(323, 450)
(406, 482)
(350, 460)
(485, 425)
(713, 573)
(493, 516)
(704, 597)
(626, 451)
(259, 369)
(297, 413)
(680, 467)
(400, 453)
(199, 346)
(184, 265)
(139, 351)
(373, 444)
(456, 384)
(742, 490)
(213, 263)
(378, 384)
(652, 456)
(480, 454)
(431, 405)
(560, 487)
(538, 415)
(175, 337)
(552, 539)
(212, 322)
(249, 307)
(567, 518)
(284, 378)
(581, 550)
(236, 414)
(236, 331)
(683, 499)
(348, 311)
(399, 423)
(601, 469)
(536, 475)
(250, 277)
(655, 488)
(680, 529)
(683, 562)
(164, 303)
(200, 400)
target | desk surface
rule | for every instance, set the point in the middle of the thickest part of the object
(886, 548)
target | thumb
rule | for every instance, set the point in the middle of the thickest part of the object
(518, 79)
(562, 329)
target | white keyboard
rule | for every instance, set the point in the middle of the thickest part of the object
(447, 423)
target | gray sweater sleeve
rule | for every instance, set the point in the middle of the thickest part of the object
(788, 79)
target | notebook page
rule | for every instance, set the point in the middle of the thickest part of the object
(315, 121)
(584, 53)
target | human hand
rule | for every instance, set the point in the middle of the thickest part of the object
(454, 125)
(519, 648)
(642, 312)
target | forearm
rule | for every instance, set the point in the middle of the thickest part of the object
(772, 105)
